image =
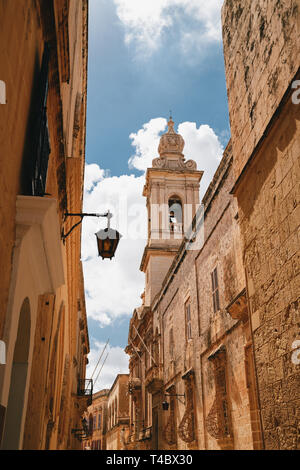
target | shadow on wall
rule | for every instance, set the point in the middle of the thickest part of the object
(266, 157)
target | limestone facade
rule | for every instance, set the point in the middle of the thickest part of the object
(117, 423)
(191, 348)
(96, 417)
(262, 50)
(213, 351)
(42, 136)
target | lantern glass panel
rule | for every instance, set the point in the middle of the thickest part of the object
(107, 241)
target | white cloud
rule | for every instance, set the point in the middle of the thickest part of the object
(201, 145)
(113, 287)
(93, 175)
(145, 22)
(146, 142)
(116, 363)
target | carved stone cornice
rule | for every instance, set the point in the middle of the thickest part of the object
(153, 380)
(174, 164)
(238, 308)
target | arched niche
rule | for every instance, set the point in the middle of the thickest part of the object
(14, 414)
(175, 213)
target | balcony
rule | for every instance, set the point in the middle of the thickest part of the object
(85, 389)
(145, 434)
(153, 379)
(134, 385)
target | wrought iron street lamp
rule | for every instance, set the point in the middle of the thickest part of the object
(107, 239)
(165, 404)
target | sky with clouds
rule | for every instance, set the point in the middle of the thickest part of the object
(145, 59)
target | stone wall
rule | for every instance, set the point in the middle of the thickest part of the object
(28, 28)
(189, 280)
(263, 58)
(270, 216)
(97, 439)
(261, 43)
(22, 48)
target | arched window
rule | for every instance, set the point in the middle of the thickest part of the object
(175, 214)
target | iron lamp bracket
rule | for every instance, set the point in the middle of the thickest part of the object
(64, 235)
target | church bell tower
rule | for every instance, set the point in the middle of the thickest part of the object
(172, 192)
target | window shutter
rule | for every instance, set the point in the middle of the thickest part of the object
(42, 146)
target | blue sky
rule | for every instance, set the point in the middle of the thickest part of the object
(126, 91)
(144, 60)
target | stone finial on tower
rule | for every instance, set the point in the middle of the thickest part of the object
(170, 150)
(170, 142)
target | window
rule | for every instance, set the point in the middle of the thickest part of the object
(91, 424)
(99, 420)
(37, 146)
(42, 146)
(188, 321)
(224, 418)
(94, 421)
(215, 290)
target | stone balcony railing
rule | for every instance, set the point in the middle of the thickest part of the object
(134, 385)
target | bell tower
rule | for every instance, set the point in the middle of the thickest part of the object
(172, 192)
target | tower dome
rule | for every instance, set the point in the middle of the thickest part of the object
(170, 142)
(170, 152)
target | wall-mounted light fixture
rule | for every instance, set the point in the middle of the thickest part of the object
(166, 404)
(107, 239)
